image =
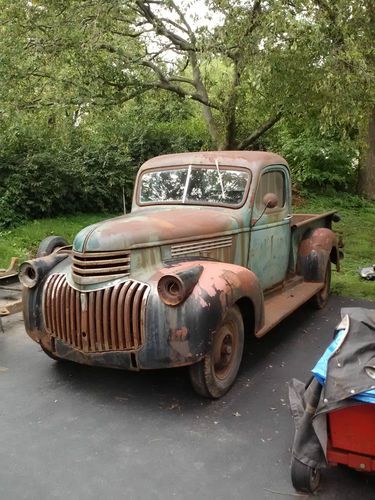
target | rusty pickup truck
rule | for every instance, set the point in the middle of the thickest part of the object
(209, 255)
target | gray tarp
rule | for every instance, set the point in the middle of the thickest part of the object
(346, 377)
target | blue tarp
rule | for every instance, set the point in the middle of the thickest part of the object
(320, 369)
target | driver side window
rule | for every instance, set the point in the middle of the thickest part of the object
(271, 182)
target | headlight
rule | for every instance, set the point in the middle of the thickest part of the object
(175, 288)
(28, 275)
(33, 271)
(171, 290)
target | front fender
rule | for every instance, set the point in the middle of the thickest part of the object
(314, 252)
(182, 334)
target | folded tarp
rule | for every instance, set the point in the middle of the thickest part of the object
(347, 370)
(321, 367)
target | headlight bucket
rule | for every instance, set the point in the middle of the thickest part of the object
(33, 271)
(28, 274)
(173, 289)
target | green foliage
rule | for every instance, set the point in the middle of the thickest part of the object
(318, 160)
(49, 166)
(85, 97)
(357, 231)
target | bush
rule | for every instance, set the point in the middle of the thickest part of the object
(49, 167)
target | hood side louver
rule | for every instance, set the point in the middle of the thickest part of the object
(96, 267)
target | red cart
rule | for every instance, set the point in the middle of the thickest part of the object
(351, 442)
(352, 437)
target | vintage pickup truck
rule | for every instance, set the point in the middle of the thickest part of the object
(209, 255)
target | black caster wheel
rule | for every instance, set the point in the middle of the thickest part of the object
(304, 478)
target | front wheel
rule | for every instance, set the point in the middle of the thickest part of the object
(304, 478)
(321, 298)
(213, 376)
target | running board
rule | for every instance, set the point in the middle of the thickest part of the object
(277, 307)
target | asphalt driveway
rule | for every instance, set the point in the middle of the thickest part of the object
(70, 431)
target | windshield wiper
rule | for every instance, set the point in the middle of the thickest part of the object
(220, 179)
(186, 184)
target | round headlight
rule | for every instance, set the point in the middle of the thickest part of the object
(28, 275)
(171, 290)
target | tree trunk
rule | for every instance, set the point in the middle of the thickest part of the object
(366, 183)
(230, 139)
(206, 110)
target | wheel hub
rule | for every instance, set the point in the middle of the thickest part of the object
(223, 349)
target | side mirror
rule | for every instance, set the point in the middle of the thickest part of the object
(270, 200)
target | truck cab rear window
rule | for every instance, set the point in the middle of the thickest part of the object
(194, 185)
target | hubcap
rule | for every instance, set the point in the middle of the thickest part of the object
(224, 348)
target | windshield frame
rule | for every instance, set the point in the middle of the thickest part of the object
(192, 202)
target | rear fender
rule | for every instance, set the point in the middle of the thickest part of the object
(314, 252)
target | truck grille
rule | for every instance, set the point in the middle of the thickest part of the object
(95, 267)
(103, 320)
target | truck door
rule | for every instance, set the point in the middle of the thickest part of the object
(270, 232)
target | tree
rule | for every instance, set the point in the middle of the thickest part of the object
(108, 53)
(245, 65)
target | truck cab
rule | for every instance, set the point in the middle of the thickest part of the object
(209, 255)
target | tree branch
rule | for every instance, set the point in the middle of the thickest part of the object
(248, 141)
(160, 27)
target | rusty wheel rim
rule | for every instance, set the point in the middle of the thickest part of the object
(224, 350)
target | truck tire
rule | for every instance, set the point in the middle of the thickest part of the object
(49, 244)
(214, 375)
(321, 298)
(304, 478)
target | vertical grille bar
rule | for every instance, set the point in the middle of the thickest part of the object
(106, 316)
(72, 317)
(128, 313)
(96, 321)
(91, 319)
(121, 313)
(78, 320)
(115, 332)
(136, 319)
(59, 305)
(68, 292)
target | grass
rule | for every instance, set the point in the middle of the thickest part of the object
(357, 228)
(23, 240)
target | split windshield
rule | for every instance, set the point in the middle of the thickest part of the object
(194, 185)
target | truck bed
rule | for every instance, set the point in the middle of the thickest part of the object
(299, 220)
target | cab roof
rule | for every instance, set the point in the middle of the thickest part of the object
(254, 160)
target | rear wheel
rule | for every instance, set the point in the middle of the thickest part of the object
(304, 478)
(50, 244)
(321, 298)
(215, 374)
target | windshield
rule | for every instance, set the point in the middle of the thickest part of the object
(192, 184)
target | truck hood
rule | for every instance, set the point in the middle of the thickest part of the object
(145, 228)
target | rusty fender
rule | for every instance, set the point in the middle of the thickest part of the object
(182, 334)
(315, 250)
